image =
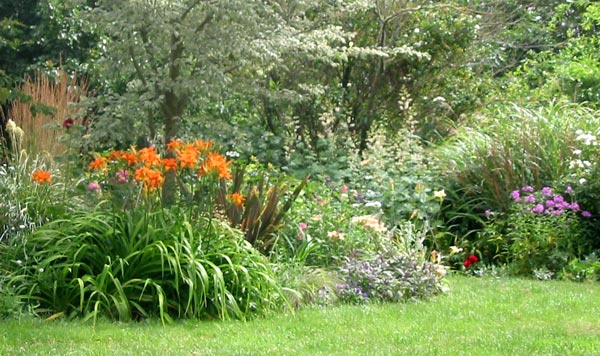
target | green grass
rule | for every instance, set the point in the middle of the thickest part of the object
(477, 317)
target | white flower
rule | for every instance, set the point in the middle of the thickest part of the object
(373, 204)
(582, 181)
(455, 250)
(440, 270)
(11, 126)
(440, 194)
(577, 152)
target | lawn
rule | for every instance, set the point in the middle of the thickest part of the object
(478, 316)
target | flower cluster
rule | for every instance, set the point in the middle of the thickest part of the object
(471, 260)
(545, 201)
(147, 167)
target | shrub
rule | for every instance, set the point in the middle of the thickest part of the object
(541, 232)
(389, 276)
(138, 264)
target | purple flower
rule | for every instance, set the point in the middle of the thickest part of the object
(569, 190)
(530, 199)
(586, 214)
(489, 213)
(574, 207)
(538, 209)
(550, 203)
(527, 188)
(547, 191)
(93, 186)
(559, 199)
(516, 195)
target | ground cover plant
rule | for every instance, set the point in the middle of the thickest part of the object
(479, 315)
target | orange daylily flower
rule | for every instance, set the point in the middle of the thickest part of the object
(175, 145)
(130, 158)
(237, 199)
(169, 164)
(115, 155)
(98, 164)
(151, 178)
(149, 156)
(215, 162)
(203, 146)
(41, 176)
(188, 156)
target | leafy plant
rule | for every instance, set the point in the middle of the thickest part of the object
(389, 276)
(140, 264)
(261, 211)
(511, 147)
(33, 191)
(541, 231)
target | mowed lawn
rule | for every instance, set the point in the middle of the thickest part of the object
(478, 316)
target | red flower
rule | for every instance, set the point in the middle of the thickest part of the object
(470, 260)
(68, 123)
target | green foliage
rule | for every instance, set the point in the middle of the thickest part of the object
(262, 211)
(398, 174)
(11, 304)
(141, 264)
(308, 285)
(512, 147)
(585, 269)
(325, 226)
(26, 204)
(540, 235)
(541, 242)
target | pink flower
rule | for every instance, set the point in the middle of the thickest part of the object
(516, 195)
(93, 186)
(586, 214)
(344, 188)
(538, 209)
(303, 226)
